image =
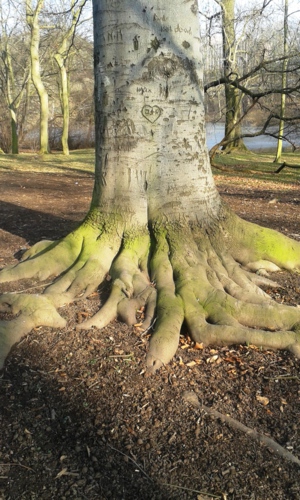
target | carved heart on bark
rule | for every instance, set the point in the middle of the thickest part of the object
(151, 113)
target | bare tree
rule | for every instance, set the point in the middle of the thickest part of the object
(233, 96)
(284, 82)
(15, 68)
(258, 77)
(61, 57)
(32, 18)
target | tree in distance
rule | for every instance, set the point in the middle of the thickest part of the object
(157, 225)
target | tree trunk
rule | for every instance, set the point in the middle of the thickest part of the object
(233, 96)
(12, 93)
(14, 133)
(12, 101)
(283, 83)
(32, 17)
(61, 58)
(64, 101)
(157, 226)
(149, 113)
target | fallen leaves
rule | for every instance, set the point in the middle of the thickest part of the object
(283, 402)
(191, 364)
(65, 472)
(212, 359)
(263, 400)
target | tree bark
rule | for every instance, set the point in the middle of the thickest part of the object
(150, 114)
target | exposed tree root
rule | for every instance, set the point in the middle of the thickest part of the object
(191, 397)
(179, 274)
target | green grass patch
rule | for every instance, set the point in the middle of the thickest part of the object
(247, 164)
(82, 160)
(258, 166)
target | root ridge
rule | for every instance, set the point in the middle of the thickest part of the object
(177, 274)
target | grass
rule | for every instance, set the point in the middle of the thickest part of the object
(259, 166)
(78, 161)
(244, 164)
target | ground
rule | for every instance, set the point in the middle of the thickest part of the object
(79, 418)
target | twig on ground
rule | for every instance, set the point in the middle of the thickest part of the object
(235, 169)
(191, 397)
(130, 355)
(283, 377)
(284, 164)
(17, 465)
(191, 490)
(131, 459)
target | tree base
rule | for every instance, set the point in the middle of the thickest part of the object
(206, 279)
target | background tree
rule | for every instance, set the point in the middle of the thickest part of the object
(157, 225)
(233, 96)
(61, 57)
(32, 17)
(284, 81)
(259, 59)
(14, 70)
(20, 98)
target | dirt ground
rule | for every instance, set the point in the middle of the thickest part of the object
(79, 419)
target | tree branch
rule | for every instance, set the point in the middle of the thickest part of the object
(191, 397)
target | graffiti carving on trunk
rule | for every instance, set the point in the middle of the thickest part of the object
(151, 113)
(123, 133)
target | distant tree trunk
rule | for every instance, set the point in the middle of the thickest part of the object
(14, 134)
(283, 83)
(61, 57)
(233, 96)
(13, 92)
(23, 115)
(64, 102)
(32, 17)
(10, 84)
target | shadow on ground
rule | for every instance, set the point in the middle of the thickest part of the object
(23, 222)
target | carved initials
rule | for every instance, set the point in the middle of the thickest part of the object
(151, 113)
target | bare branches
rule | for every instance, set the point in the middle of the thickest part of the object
(234, 80)
(249, 64)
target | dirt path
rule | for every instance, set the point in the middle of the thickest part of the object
(79, 420)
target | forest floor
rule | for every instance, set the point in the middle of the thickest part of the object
(79, 419)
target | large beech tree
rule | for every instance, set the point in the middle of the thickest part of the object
(157, 224)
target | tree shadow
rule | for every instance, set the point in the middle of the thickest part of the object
(55, 444)
(33, 225)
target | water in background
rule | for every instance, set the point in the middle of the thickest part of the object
(215, 133)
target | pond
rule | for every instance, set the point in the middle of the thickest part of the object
(215, 133)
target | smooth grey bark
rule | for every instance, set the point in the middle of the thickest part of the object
(151, 154)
